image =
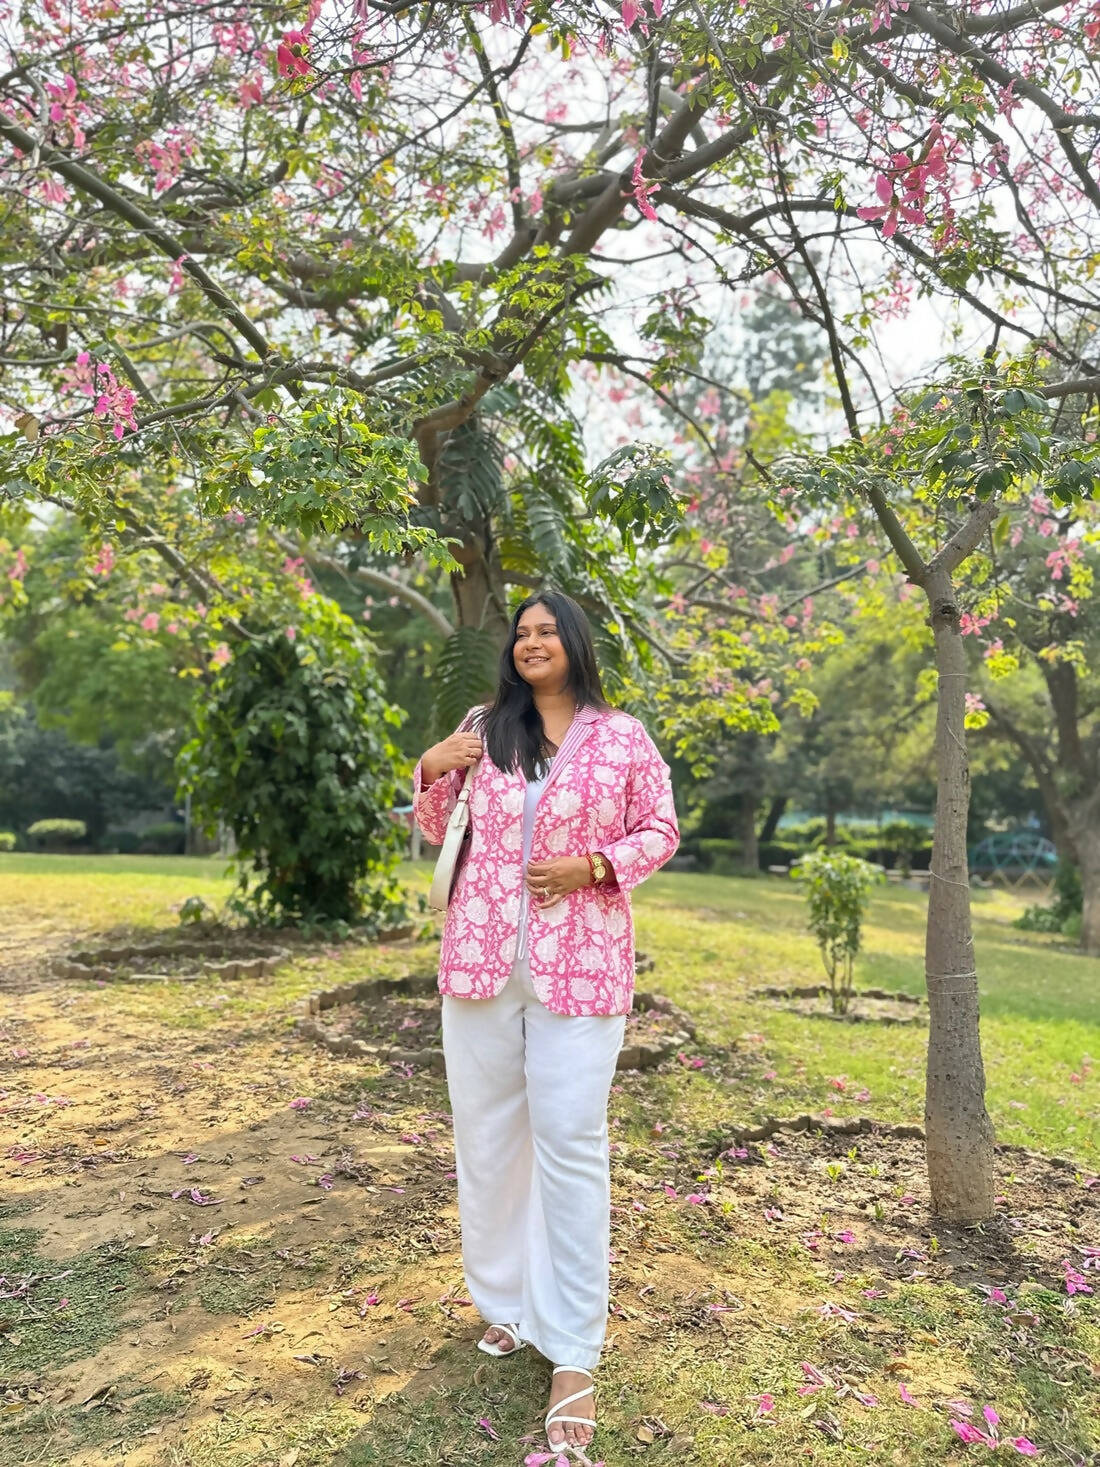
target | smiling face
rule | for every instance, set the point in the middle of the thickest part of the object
(538, 653)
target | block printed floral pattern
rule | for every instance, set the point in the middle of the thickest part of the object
(609, 790)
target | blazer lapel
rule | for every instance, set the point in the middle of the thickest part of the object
(584, 721)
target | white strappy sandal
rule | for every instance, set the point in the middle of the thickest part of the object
(512, 1331)
(553, 1419)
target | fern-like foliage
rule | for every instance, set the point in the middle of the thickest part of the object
(470, 472)
(465, 673)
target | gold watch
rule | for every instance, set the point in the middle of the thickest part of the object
(599, 868)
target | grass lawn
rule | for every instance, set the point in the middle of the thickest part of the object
(194, 1273)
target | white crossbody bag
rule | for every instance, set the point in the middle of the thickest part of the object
(446, 865)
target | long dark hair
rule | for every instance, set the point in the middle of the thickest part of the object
(511, 726)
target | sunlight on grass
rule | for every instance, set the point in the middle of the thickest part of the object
(712, 1307)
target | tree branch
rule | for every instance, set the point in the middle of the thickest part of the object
(89, 183)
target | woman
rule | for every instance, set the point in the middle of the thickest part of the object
(571, 807)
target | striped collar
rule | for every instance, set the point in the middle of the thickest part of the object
(584, 720)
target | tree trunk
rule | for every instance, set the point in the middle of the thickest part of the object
(1087, 842)
(773, 817)
(957, 1127)
(746, 831)
(480, 595)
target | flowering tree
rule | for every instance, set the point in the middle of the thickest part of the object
(968, 449)
(303, 246)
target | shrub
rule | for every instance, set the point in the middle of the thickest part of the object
(194, 910)
(1065, 912)
(126, 842)
(723, 857)
(293, 751)
(58, 834)
(838, 886)
(7, 840)
(167, 839)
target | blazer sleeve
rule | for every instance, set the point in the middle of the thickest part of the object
(652, 832)
(433, 803)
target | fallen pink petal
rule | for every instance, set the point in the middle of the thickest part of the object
(970, 1434)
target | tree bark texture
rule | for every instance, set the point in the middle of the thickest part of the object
(959, 1133)
(773, 817)
(746, 831)
(1069, 785)
(480, 594)
(1087, 842)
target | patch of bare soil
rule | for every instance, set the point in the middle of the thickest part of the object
(252, 1227)
(867, 1005)
(286, 1220)
(401, 1022)
(853, 1208)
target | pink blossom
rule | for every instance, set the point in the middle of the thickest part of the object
(150, 621)
(300, 1102)
(829, 1310)
(891, 212)
(291, 54)
(65, 108)
(291, 633)
(1075, 1282)
(883, 13)
(219, 657)
(175, 282)
(907, 1399)
(814, 1379)
(1024, 1447)
(642, 190)
(250, 91)
(114, 401)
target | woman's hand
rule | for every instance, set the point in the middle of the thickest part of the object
(460, 751)
(549, 882)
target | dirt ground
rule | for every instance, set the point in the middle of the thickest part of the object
(247, 1247)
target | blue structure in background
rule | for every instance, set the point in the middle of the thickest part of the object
(1014, 854)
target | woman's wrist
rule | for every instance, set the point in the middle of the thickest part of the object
(429, 771)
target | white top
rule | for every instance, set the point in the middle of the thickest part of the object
(531, 797)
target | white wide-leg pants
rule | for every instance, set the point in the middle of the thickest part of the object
(529, 1095)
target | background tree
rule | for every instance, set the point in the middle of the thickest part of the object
(1039, 631)
(964, 450)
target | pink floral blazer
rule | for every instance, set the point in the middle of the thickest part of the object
(608, 791)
